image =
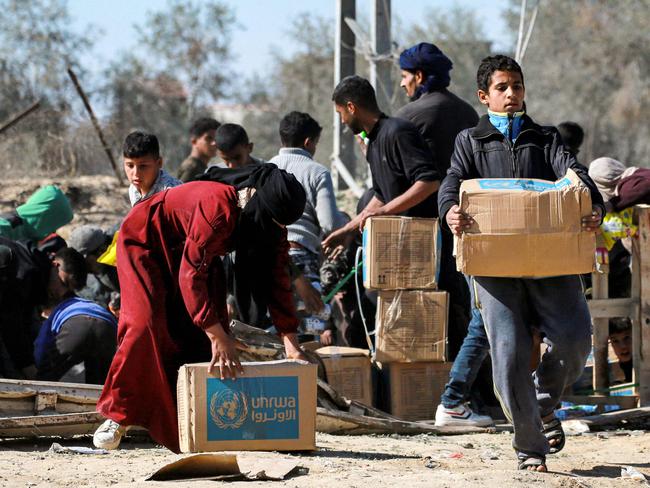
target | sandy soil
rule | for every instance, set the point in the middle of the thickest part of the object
(486, 460)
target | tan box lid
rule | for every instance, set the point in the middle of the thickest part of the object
(525, 228)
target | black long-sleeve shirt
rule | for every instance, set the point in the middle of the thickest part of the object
(398, 157)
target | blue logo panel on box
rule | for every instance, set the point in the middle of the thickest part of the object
(253, 408)
(519, 184)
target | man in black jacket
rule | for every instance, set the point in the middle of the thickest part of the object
(506, 143)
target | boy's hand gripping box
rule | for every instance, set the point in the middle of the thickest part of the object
(400, 253)
(525, 228)
(271, 408)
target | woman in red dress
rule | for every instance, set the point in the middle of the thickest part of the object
(174, 293)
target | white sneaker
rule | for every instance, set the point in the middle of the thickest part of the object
(461, 415)
(109, 435)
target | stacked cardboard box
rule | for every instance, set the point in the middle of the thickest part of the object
(401, 261)
(349, 372)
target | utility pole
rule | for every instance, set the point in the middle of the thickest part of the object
(343, 161)
(380, 69)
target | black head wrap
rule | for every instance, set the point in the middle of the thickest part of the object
(429, 59)
(279, 199)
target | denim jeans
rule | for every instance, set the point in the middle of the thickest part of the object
(472, 353)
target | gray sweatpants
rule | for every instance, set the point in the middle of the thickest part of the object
(556, 306)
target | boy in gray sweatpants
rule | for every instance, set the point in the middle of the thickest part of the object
(506, 143)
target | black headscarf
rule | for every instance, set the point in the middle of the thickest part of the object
(279, 199)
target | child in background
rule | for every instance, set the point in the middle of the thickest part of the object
(143, 167)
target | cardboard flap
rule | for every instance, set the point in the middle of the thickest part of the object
(225, 467)
(201, 466)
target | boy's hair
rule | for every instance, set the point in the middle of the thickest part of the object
(295, 127)
(73, 263)
(203, 125)
(621, 324)
(495, 63)
(572, 134)
(230, 136)
(356, 90)
(139, 144)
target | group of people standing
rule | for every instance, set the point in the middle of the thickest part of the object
(240, 237)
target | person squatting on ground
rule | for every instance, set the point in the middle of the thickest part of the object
(43, 213)
(174, 295)
(29, 283)
(143, 167)
(76, 330)
(506, 143)
(204, 148)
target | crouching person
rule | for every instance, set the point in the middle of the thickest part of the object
(174, 293)
(506, 143)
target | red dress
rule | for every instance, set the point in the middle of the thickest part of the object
(172, 286)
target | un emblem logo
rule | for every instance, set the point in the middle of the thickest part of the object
(229, 409)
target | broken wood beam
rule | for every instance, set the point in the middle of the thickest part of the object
(95, 122)
(614, 418)
(338, 422)
(14, 119)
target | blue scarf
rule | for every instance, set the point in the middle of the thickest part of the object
(63, 311)
(504, 121)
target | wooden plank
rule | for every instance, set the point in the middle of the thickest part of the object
(615, 418)
(66, 425)
(62, 389)
(328, 419)
(600, 334)
(642, 356)
(613, 307)
(625, 402)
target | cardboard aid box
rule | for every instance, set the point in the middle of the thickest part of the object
(400, 253)
(272, 407)
(349, 372)
(411, 391)
(411, 326)
(525, 228)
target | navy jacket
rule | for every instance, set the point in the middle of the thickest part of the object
(483, 152)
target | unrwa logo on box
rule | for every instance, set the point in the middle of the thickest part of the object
(229, 409)
(252, 408)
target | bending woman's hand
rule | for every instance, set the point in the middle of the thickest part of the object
(225, 352)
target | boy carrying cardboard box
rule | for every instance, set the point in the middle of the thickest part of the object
(506, 143)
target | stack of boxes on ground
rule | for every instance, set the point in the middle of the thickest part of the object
(400, 261)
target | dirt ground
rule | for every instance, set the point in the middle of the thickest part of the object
(486, 460)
